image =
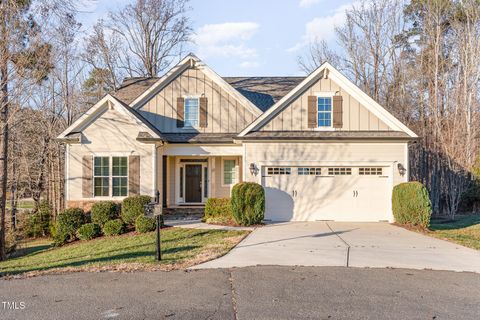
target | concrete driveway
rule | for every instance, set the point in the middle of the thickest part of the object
(376, 245)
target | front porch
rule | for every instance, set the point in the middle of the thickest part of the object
(190, 180)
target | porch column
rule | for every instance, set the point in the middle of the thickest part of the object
(212, 184)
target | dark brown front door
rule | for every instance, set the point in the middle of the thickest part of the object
(193, 183)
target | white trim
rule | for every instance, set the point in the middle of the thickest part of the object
(97, 110)
(325, 94)
(66, 176)
(343, 83)
(178, 165)
(185, 126)
(154, 171)
(407, 165)
(110, 157)
(183, 65)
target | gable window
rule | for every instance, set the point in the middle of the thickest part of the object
(191, 112)
(324, 109)
(114, 177)
(229, 172)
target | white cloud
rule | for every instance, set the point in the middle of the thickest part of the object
(322, 28)
(226, 39)
(249, 64)
(308, 3)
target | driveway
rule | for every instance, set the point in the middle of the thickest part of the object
(375, 245)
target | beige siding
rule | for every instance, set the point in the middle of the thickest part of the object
(294, 116)
(224, 112)
(113, 133)
(325, 154)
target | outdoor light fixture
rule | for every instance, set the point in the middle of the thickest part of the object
(401, 169)
(253, 169)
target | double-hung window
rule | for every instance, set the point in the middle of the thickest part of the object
(101, 176)
(191, 112)
(324, 109)
(119, 176)
(229, 172)
(110, 176)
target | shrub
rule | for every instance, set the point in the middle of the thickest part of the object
(145, 224)
(10, 241)
(248, 203)
(218, 210)
(104, 211)
(114, 227)
(132, 207)
(37, 224)
(88, 231)
(411, 204)
(68, 222)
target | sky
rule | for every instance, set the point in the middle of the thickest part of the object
(248, 37)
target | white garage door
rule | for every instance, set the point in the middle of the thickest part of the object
(327, 193)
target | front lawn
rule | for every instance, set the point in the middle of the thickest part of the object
(465, 230)
(181, 248)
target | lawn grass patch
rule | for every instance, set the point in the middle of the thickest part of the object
(464, 230)
(181, 248)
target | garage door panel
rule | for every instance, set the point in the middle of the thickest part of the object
(341, 197)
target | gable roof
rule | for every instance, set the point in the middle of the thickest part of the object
(188, 61)
(346, 85)
(132, 88)
(97, 110)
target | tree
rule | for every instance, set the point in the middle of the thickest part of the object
(21, 53)
(152, 33)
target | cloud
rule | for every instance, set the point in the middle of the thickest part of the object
(308, 3)
(249, 64)
(226, 39)
(322, 28)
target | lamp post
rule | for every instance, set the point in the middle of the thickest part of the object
(154, 209)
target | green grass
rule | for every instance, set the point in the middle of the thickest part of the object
(465, 230)
(180, 248)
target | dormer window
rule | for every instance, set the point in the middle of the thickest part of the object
(191, 112)
(324, 109)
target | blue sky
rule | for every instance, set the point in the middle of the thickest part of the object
(249, 37)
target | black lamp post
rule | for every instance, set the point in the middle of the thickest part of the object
(154, 209)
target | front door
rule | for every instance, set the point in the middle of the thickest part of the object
(193, 183)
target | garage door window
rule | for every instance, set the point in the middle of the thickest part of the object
(309, 171)
(279, 171)
(339, 171)
(370, 171)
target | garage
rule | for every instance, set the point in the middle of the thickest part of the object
(339, 193)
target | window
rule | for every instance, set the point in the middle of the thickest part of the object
(340, 171)
(370, 171)
(324, 106)
(119, 176)
(279, 170)
(309, 171)
(114, 177)
(101, 176)
(229, 172)
(191, 112)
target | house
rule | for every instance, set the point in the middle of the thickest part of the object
(322, 148)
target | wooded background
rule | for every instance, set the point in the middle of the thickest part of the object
(419, 59)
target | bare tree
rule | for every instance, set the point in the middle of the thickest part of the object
(152, 32)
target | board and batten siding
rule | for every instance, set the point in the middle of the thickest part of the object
(294, 117)
(224, 113)
(112, 134)
(324, 154)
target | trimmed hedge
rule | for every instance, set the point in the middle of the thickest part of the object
(104, 211)
(133, 207)
(88, 231)
(145, 224)
(218, 210)
(248, 203)
(113, 227)
(411, 204)
(68, 222)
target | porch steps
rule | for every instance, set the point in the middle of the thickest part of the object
(181, 212)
